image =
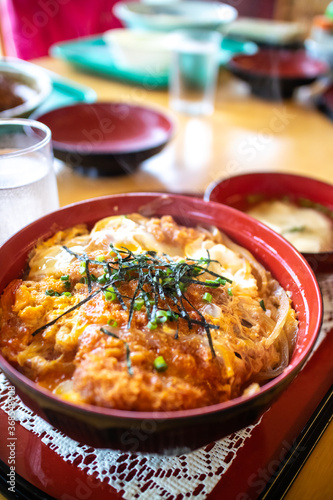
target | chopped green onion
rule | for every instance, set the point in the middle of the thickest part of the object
(65, 277)
(67, 285)
(150, 300)
(262, 305)
(215, 283)
(83, 268)
(254, 198)
(168, 281)
(103, 278)
(100, 258)
(152, 325)
(207, 297)
(67, 294)
(52, 293)
(230, 291)
(295, 229)
(160, 364)
(112, 322)
(138, 304)
(305, 202)
(212, 283)
(161, 316)
(172, 316)
(218, 281)
(110, 294)
(110, 297)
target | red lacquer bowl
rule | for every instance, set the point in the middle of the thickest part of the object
(107, 138)
(243, 191)
(276, 73)
(179, 431)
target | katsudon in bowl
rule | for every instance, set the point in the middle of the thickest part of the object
(144, 318)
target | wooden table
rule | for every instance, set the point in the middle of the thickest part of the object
(244, 134)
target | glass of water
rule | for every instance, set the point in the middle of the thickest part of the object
(28, 187)
(194, 69)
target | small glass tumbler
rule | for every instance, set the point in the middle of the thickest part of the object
(194, 70)
(28, 187)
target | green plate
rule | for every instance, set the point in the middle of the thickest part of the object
(92, 54)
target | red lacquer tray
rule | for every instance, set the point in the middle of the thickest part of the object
(241, 466)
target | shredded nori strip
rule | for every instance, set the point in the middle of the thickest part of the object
(88, 273)
(166, 278)
(210, 340)
(66, 312)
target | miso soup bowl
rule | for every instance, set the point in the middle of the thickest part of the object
(244, 191)
(174, 432)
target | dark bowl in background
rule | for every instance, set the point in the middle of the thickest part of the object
(276, 73)
(242, 191)
(178, 431)
(324, 101)
(107, 138)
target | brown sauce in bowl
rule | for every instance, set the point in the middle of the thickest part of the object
(13, 92)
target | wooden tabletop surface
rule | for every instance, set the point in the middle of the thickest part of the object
(245, 134)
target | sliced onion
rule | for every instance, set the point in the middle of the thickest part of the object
(64, 387)
(281, 317)
(253, 388)
(249, 257)
(284, 351)
(212, 310)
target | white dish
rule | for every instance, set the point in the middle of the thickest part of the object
(266, 31)
(136, 50)
(168, 16)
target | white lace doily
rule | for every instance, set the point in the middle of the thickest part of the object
(149, 476)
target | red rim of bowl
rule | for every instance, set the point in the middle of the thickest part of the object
(260, 64)
(158, 204)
